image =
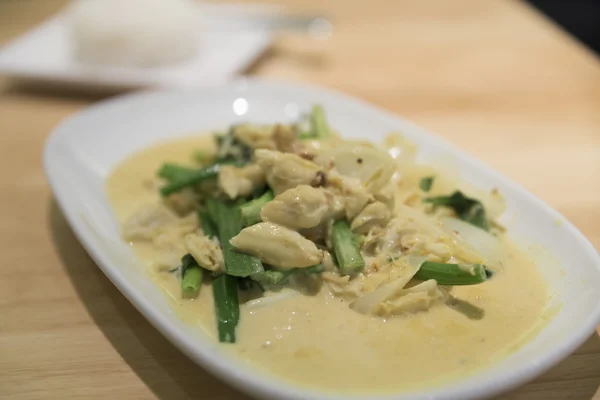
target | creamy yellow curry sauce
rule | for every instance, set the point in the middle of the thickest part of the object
(318, 341)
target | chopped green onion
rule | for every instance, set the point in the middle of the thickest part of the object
(187, 261)
(453, 274)
(272, 278)
(191, 276)
(346, 249)
(315, 269)
(211, 211)
(227, 306)
(251, 210)
(469, 310)
(228, 220)
(207, 224)
(190, 179)
(202, 156)
(173, 172)
(318, 122)
(191, 282)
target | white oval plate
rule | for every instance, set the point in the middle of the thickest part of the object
(81, 152)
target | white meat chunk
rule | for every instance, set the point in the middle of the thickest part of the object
(411, 300)
(182, 202)
(170, 238)
(147, 222)
(387, 196)
(278, 246)
(270, 137)
(236, 182)
(373, 215)
(413, 232)
(398, 274)
(286, 170)
(284, 138)
(301, 207)
(206, 251)
(255, 136)
(350, 195)
(342, 286)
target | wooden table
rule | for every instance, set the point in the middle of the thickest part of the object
(494, 77)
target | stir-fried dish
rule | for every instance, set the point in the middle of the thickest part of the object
(316, 255)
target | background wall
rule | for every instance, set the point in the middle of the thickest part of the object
(581, 18)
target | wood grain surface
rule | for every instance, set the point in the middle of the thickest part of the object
(494, 77)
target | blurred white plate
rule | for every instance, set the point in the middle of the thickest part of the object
(229, 44)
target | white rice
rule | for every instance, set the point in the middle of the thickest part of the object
(141, 33)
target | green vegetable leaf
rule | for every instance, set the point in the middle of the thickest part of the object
(315, 269)
(426, 183)
(468, 209)
(230, 149)
(274, 278)
(207, 224)
(185, 177)
(228, 221)
(226, 306)
(173, 172)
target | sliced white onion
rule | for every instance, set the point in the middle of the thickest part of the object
(414, 261)
(271, 299)
(427, 286)
(484, 243)
(374, 168)
(400, 149)
(366, 303)
(409, 218)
